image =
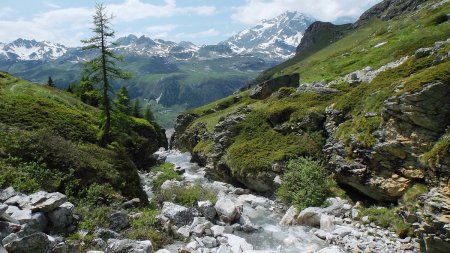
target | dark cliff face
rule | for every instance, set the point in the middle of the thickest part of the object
(319, 35)
(389, 9)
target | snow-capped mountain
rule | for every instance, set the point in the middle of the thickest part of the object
(276, 38)
(145, 46)
(31, 50)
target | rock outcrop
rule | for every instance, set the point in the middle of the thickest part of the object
(389, 9)
(319, 35)
(265, 89)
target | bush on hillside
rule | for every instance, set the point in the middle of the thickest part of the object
(306, 183)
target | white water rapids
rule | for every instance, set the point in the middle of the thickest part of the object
(271, 237)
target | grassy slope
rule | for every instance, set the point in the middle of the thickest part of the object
(262, 145)
(48, 141)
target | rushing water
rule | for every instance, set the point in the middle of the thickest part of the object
(271, 236)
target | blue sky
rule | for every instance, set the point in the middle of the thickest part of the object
(199, 21)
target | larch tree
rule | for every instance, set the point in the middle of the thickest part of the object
(102, 68)
(148, 114)
(122, 101)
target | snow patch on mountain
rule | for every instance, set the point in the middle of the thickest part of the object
(31, 50)
(276, 38)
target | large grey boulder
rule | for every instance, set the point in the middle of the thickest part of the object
(206, 208)
(62, 216)
(7, 193)
(3, 250)
(35, 243)
(310, 216)
(128, 246)
(229, 209)
(7, 228)
(119, 220)
(45, 202)
(237, 244)
(35, 221)
(178, 215)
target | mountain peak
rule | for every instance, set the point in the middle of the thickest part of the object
(31, 50)
(275, 38)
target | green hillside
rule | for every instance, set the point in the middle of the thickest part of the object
(290, 124)
(48, 140)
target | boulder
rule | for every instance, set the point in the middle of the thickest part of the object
(237, 244)
(224, 249)
(62, 216)
(228, 209)
(178, 215)
(3, 209)
(327, 222)
(206, 208)
(310, 216)
(217, 230)
(7, 228)
(3, 250)
(247, 225)
(423, 52)
(7, 193)
(209, 242)
(36, 243)
(119, 220)
(44, 202)
(35, 221)
(290, 218)
(128, 246)
(184, 232)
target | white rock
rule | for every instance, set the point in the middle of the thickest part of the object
(177, 214)
(217, 230)
(326, 222)
(290, 218)
(62, 216)
(237, 244)
(44, 201)
(342, 231)
(209, 242)
(229, 209)
(126, 246)
(184, 231)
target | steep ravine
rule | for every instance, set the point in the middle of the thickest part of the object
(265, 225)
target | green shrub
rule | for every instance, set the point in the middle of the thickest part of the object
(187, 195)
(93, 216)
(306, 183)
(146, 228)
(387, 218)
(167, 173)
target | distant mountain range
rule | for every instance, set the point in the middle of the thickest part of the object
(171, 73)
(274, 39)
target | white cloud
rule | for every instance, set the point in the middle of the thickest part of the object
(5, 11)
(53, 25)
(132, 10)
(69, 25)
(325, 10)
(52, 5)
(161, 28)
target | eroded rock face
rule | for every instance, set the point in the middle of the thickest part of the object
(389, 9)
(434, 230)
(412, 122)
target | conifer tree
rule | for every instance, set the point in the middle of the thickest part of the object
(148, 114)
(50, 82)
(103, 67)
(136, 110)
(122, 101)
